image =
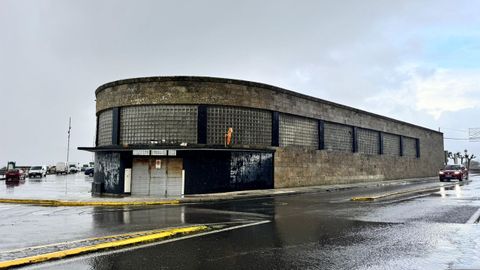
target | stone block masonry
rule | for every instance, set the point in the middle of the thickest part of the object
(313, 141)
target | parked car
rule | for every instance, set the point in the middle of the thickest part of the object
(73, 168)
(84, 167)
(89, 172)
(14, 175)
(40, 171)
(61, 168)
(453, 172)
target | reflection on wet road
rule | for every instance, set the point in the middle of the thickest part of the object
(314, 231)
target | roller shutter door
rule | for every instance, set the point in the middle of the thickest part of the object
(174, 176)
(157, 177)
(141, 177)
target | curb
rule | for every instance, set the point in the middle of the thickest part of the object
(122, 240)
(82, 203)
(214, 197)
(398, 194)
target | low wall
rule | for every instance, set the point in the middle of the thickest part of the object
(295, 167)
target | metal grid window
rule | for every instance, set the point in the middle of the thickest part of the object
(338, 137)
(409, 147)
(105, 125)
(250, 126)
(391, 144)
(368, 142)
(300, 131)
(164, 124)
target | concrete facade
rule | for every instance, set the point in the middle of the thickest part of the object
(293, 165)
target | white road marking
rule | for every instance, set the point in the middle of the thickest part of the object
(96, 254)
(474, 217)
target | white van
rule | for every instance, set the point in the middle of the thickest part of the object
(40, 171)
(73, 168)
(61, 168)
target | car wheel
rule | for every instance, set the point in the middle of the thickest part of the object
(91, 175)
(441, 179)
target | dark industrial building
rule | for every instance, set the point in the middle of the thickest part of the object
(168, 136)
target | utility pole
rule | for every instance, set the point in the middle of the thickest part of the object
(68, 151)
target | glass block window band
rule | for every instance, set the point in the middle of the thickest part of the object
(164, 124)
(391, 144)
(338, 137)
(409, 147)
(250, 126)
(296, 130)
(105, 125)
(367, 141)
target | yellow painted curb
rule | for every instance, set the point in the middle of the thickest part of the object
(86, 203)
(362, 199)
(114, 244)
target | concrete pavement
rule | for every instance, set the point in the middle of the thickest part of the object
(54, 194)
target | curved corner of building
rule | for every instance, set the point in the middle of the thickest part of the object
(168, 136)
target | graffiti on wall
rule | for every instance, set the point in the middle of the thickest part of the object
(251, 169)
(107, 170)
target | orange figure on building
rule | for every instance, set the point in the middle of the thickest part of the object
(228, 136)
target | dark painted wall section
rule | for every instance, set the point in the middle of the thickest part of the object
(107, 172)
(96, 132)
(275, 129)
(206, 171)
(249, 170)
(115, 126)
(401, 145)
(321, 135)
(355, 140)
(221, 171)
(202, 124)
(417, 147)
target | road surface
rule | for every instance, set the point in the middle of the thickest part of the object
(308, 231)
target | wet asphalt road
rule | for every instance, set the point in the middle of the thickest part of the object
(309, 231)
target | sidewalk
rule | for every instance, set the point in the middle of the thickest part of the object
(85, 199)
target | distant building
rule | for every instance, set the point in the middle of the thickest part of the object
(188, 135)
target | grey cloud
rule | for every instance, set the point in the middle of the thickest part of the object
(55, 53)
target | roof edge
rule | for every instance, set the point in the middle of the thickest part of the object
(252, 84)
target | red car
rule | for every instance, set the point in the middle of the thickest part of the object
(453, 172)
(14, 174)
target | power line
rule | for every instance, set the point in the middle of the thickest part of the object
(460, 139)
(454, 129)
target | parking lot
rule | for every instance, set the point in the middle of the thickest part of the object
(76, 186)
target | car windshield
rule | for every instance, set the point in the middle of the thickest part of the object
(13, 170)
(452, 167)
(36, 168)
(72, 166)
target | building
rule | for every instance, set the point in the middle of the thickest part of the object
(190, 135)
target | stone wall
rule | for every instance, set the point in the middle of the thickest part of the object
(294, 165)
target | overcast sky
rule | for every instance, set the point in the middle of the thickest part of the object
(416, 61)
